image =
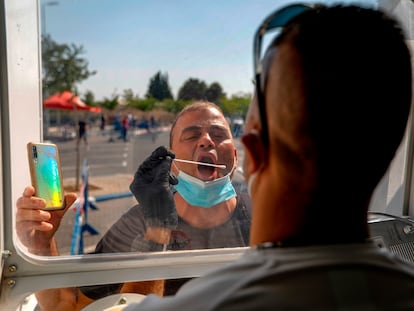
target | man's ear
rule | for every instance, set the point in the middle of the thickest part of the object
(254, 151)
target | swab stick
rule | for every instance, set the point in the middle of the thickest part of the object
(222, 166)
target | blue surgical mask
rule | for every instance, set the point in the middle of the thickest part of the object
(202, 193)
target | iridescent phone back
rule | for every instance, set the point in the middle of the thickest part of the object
(46, 174)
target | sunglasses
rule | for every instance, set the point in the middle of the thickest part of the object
(277, 20)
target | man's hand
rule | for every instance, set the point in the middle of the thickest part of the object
(35, 227)
(152, 188)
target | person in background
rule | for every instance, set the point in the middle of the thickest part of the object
(82, 132)
(190, 197)
(103, 123)
(124, 128)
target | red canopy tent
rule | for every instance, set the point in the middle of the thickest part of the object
(68, 101)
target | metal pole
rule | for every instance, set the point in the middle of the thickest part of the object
(46, 121)
(77, 164)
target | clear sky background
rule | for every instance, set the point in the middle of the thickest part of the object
(128, 41)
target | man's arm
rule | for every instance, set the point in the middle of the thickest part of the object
(145, 287)
(62, 299)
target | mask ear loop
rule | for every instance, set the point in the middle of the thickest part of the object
(233, 169)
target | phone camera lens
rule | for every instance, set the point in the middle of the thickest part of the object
(34, 152)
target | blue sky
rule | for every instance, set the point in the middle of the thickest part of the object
(128, 41)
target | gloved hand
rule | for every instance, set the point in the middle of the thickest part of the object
(152, 188)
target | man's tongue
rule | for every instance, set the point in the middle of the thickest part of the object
(206, 172)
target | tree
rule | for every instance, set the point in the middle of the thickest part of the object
(159, 88)
(214, 93)
(129, 96)
(89, 98)
(146, 104)
(63, 67)
(174, 106)
(192, 89)
(110, 103)
(236, 105)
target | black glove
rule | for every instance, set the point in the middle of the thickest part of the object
(152, 188)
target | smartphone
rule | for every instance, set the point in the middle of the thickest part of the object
(45, 174)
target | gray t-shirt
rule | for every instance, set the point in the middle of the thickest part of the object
(127, 234)
(331, 277)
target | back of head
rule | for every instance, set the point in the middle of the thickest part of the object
(357, 89)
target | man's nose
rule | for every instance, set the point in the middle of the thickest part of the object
(205, 140)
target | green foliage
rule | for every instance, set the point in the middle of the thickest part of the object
(63, 66)
(89, 98)
(131, 100)
(214, 93)
(195, 89)
(236, 105)
(109, 103)
(146, 104)
(159, 88)
(129, 96)
(192, 89)
(173, 106)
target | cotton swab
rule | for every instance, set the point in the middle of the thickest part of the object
(222, 166)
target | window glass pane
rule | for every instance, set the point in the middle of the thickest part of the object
(114, 79)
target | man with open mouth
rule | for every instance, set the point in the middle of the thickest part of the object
(209, 206)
